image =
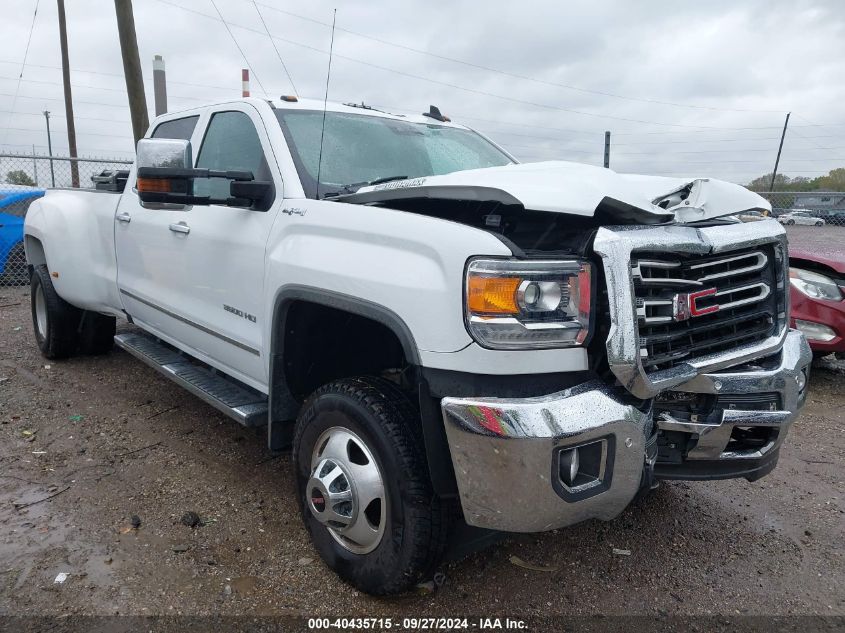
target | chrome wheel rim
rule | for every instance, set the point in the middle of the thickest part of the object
(346, 490)
(40, 312)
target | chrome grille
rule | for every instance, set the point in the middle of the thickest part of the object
(689, 306)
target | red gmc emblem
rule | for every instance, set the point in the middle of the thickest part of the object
(685, 305)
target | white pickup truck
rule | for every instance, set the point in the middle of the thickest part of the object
(441, 333)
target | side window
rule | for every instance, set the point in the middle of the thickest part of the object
(231, 143)
(177, 128)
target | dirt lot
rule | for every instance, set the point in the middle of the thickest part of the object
(110, 439)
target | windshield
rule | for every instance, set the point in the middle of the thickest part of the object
(359, 149)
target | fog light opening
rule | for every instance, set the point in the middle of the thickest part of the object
(570, 463)
(801, 380)
(582, 467)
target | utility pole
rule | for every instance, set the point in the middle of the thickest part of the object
(34, 166)
(50, 148)
(780, 147)
(132, 68)
(159, 85)
(71, 127)
(607, 149)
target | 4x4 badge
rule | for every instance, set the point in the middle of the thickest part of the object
(685, 305)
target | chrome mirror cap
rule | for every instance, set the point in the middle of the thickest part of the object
(164, 152)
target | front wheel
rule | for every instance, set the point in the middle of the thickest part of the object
(819, 223)
(364, 488)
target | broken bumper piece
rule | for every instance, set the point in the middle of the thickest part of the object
(744, 417)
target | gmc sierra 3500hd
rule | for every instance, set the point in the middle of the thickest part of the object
(439, 331)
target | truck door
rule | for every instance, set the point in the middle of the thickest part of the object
(195, 275)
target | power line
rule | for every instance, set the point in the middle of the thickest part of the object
(95, 103)
(551, 149)
(712, 140)
(61, 116)
(23, 63)
(232, 35)
(78, 85)
(456, 86)
(460, 115)
(705, 151)
(278, 54)
(732, 160)
(178, 96)
(686, 173)
(60, 147)
(386, 107)
(29, 129)
(542, 138)
(512, 74)
(105, 74)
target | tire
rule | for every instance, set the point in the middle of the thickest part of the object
(16, 272)
(97, 333)
(413, 521)
(790, 222)
(55, 322)
(819, 223)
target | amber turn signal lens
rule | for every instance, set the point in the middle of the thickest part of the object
(492, 295)
(161, 185)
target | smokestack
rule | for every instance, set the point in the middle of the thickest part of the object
(159, 85)
(245, 82)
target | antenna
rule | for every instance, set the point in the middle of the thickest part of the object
(325, 102)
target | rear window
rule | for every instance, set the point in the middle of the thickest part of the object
(177, 128)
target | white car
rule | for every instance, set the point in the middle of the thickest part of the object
(440, 333)
(800, 217)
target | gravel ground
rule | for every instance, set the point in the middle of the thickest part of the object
(110, 440)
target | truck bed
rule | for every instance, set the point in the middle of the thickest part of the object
(85, 272)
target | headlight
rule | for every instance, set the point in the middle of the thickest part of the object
(814, 285)
(518, 304)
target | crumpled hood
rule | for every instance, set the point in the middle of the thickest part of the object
(575, 189)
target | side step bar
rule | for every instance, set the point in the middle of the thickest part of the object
(241, 404)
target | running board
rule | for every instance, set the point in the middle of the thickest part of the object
(241, 404)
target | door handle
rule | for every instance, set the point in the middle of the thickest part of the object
(123, 217)
(180, 227)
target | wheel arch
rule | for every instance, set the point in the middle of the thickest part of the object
(284, 403)
(35, 254)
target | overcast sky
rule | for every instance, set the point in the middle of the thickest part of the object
(686, 88)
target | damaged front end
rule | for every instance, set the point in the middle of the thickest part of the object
(693, 370)
(554, 207)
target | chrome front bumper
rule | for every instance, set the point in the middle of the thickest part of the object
(510, 455)
(504, 454)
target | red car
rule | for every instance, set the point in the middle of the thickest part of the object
(817, 276)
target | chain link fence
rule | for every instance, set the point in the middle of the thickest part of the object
(808, 208)
(23, 179)
(814, 220)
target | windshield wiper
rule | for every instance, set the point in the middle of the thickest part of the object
(379, 181)
(355, 186)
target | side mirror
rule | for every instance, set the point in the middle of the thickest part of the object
(164, 152)
(165, 178)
